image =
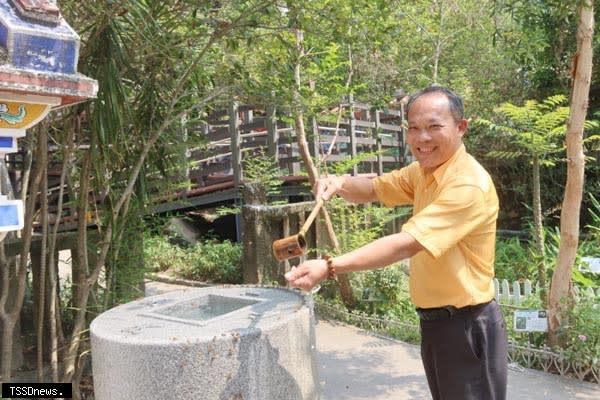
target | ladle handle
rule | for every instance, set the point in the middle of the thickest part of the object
(311, 217)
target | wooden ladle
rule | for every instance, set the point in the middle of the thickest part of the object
(294, 246)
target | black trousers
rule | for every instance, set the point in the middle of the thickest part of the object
(465, 354)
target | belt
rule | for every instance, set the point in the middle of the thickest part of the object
(447, 312)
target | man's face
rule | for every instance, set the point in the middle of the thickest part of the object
(433, 133)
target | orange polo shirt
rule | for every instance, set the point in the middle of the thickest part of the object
(454, 217)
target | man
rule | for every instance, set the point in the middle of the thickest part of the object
(451, 242)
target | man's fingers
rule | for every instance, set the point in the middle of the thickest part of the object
(298, 278)
(320, 187)
(291, 274)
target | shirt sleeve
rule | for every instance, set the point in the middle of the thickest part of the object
(457, 212)
(395, 188)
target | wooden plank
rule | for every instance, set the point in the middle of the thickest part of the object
(389, 141)
(199, 197)
(236, 155)
(208, 169)
(379, 144)
(218, 134)
(389, 127)
(249, 136)
(361, 106)
(339, 139)
(391, 111)
(203, 155)
(272, 133)
(254, 125)
(255, 144)
(365, 124)
(366, 141)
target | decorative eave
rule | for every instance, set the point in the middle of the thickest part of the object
(71, 88)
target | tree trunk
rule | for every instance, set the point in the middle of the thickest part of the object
(41, 306)
(538, 229)
(80, 266)
(437, 43)
(53, 285)
(8, 267)
(569, 218)
(343, 280)
(10, 314)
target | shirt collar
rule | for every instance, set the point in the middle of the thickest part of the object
(441, 170)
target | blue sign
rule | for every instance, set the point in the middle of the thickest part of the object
(11, 215)
(8, 144)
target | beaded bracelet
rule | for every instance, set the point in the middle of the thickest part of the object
(331, 275)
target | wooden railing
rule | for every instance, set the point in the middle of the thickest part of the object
(241, 131)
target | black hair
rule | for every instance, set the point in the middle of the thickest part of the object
(454, 100)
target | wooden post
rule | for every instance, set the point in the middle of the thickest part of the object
(272, 133)
(403, 152)
(205, 130)
(352, 122)
(253, 268)
(234, 134)
(236, 160)
(379, 147)
(286, 233)
(315, 142)
(184, 155)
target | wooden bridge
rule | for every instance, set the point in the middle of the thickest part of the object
(374, 137)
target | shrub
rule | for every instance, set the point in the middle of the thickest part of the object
(385, 292)
(580, 333)
(160, 255)
(215, 262)
(513, 260)
(206, 261)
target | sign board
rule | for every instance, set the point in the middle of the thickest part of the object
(8, 144)
(531, 321)
(11, 215)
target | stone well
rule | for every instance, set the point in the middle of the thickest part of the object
(221, 343)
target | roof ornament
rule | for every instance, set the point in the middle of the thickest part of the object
(43, 11)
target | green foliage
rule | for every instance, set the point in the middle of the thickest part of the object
(594, 226)
(384, 292)
(214, 262)
(160, 255)
(536, 34)
(263, 170)
(205, 261)
(346, 166)
(513, 261)
(517, 259)
(264, 173)
(580, 333)
(588, 247)
(357, 225)
(534, 129)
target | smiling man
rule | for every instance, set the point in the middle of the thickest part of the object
(450, 240)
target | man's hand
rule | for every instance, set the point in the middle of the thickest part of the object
(355, 189)
(326, 188)
(308, 274)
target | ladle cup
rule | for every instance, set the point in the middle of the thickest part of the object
(294, 246)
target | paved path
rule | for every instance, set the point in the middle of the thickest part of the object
(354, 364)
